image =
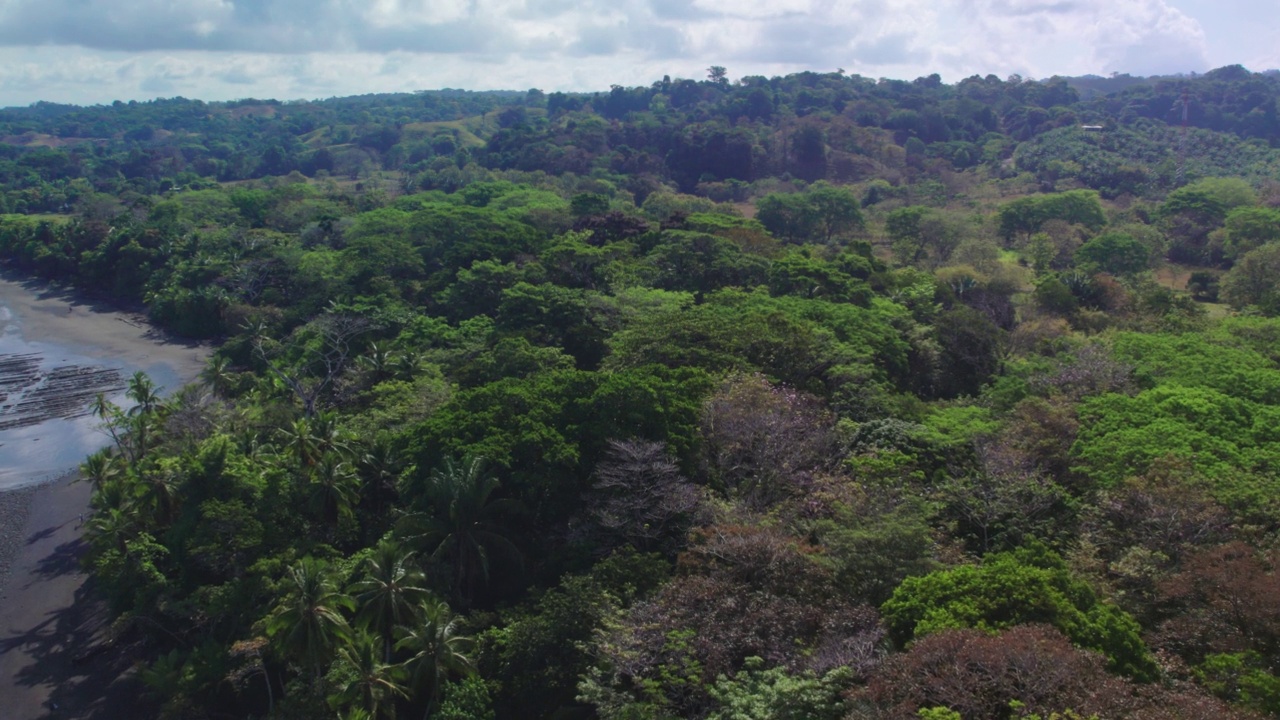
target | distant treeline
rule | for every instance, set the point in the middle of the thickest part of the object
(708, 136)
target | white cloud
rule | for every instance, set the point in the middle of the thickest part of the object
(1068, 37)
(99, 50)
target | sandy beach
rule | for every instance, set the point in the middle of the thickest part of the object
(53, 659)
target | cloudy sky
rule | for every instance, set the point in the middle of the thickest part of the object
(96, 51)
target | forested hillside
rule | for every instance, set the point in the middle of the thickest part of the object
(804, 397)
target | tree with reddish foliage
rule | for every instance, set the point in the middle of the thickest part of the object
(980, 675)
(1141, 530)
(740, 592)
(1225, 599)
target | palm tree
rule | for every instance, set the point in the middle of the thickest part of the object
(407, 365)
(377, 362)
(308, 622)
(114, 527)
(329, 435)
(439, 650)
(100, 469)
(112, 419)
(157, 490)
(300, 441)
(390, 592)
(374, 683)
(459, 525)
(379, 466)
(217, 375)
(144, 392)
(142, 415)
(333, 489)
(310, 438)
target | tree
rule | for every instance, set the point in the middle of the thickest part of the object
(718, 75)
(788, 216)
(333, 490)
(1254, 280)
(970, 352)
(823, 213)
(366, 680)
(1027, 215)
(1190, 213)
(307, 623)
(763, 442)
(640, 498)
(1116, 253)
(217, 375)
(1248, 228)
(1031, 585)
(461, 526)
(838, 210)
(323, 359)
(439, 651)
(756, 693)
(874, 542)
(1026, 671)
(100, 469)
(918, 231)
(389, 593)
(1227, 600)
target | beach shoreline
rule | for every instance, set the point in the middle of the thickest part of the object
(56, 659)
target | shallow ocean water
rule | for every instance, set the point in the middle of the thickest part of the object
(52, 438)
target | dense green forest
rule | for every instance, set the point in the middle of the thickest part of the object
(812, 397)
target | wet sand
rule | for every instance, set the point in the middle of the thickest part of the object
(55, 658)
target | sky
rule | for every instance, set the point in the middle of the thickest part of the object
(98, 51)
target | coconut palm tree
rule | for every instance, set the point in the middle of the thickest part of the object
(142, 416)
(217, 375)
(307, 439)
(114, 527)
(307, 623)
(379, 466)
(333, 490)
(112, 421)
(157, 492)
(144, 392)
(439, 648)
(378, 362)
(299, 440)
(390, 592)
(460, 524)
(100, 469)
(374, 683)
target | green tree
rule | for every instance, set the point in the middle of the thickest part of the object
(365, 679)
(1025, 216)
(1030, 585)
(307, 623)
(389, 593)
(1116, 253)
(462, 524)
(838, 210)
(757, 693)
(1248, 228)
(439, 650)
(788, 216)
(332, 490)
(1254, 280)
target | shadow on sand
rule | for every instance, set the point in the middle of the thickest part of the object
(78, 301)
(66, 652)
